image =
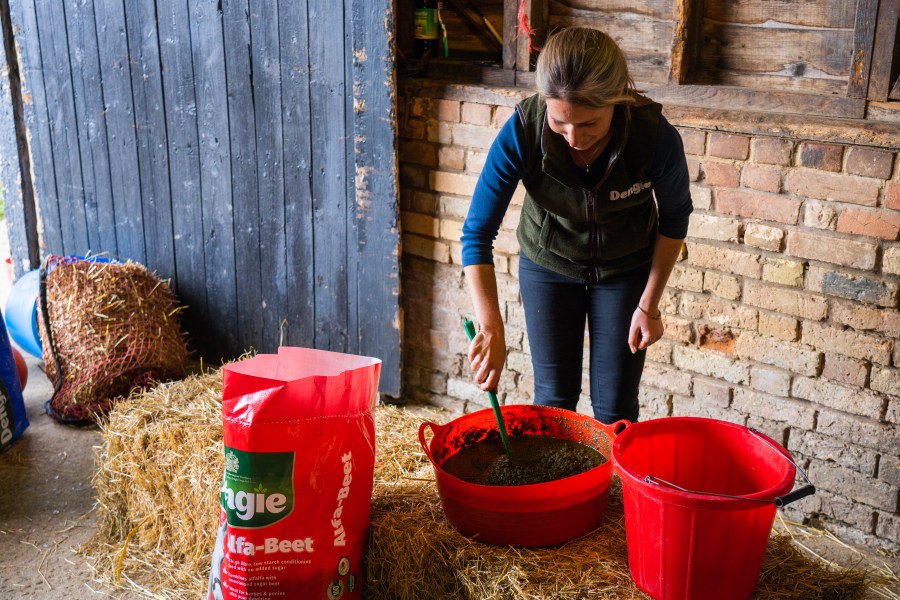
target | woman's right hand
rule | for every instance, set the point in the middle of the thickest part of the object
(487, 354)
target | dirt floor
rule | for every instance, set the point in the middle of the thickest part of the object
(46, 503)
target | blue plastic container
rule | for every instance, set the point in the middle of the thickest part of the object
(12, 408)
(21, 313)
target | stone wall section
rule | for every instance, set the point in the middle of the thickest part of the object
(781, 313)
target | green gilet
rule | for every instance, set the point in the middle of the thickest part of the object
(589, 234)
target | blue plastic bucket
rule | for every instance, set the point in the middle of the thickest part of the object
(21, 313)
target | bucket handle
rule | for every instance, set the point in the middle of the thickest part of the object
(435, 428)
(613, 428)
(779, 501)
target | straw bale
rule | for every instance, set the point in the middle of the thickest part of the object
(158, 473)
(158, 476)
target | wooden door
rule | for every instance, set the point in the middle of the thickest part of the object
(243, 149)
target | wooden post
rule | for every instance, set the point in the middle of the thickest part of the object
(684, 39)
(883, 53)
(510, 28)
(537, 12)
(863, 40)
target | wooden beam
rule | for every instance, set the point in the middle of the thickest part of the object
(736, 98)
(863, 40)
(537, 14)
(883, 52)
(510, 28)
(680, 61)
(719, 116)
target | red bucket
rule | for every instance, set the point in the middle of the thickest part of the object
(700, 498)
(541, 514)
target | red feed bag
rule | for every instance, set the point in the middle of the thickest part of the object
(299, 436)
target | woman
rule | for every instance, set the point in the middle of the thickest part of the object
(591, 153)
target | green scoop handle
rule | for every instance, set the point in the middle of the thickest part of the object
(492, 395)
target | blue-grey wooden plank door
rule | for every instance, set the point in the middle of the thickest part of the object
(243, 149)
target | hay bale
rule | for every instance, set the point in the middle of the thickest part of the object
(158, 478)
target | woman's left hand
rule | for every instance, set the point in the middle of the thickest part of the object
(644, 329)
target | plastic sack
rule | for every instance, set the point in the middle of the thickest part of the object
(12, 408)
(299, 437)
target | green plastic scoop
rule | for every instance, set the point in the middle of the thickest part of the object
(492, 395)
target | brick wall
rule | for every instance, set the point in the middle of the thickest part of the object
(781, 314)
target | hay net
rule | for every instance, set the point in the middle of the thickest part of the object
(107, 328)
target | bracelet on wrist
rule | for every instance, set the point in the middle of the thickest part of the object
(656, 318)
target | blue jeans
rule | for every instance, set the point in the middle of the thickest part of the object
(556, 307)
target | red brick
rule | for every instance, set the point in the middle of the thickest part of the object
(447, 110)
(418, 152)
(418, 223)
(845, 370)
(785, 272)
(419, 107)
(722, 312)
(839, 251)
(778, 326)
(450, 230)
(726, 145)
(413, 129)
(785, 301)
(820, 185)
(685, 278)
(826, 157)
(769, 207)
(820, 215)
(702, 197)
(711, 364)
(476, 114)
(475, 160)
(502, 115)
(426, 248)
(706, 256)
(772, 151)
(869, 163)
(714, 228)
(718, 340)
(694, 141)
(693, 164)
(473, 136)
(725, 174)
(892, 196)
(866, 317)
(766, 179)
(788, 356)
(763, 236)
(452, 157)
(440, 132)
(452, 183)
(413, 176)
(724, 286)
(847, 342)
(425, 202)
(880, 223)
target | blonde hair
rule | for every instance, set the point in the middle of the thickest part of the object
(584, 66)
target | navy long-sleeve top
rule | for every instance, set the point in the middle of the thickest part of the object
(505, 167)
